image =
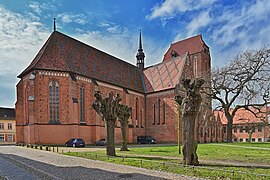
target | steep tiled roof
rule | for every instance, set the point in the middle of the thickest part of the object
(164, 75)
(63, 53)
(243, 116)
(192, 45)
(7, 113)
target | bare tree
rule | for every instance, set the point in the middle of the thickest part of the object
(190, 109)
(244, 83)
(123, 113)
(106, 108)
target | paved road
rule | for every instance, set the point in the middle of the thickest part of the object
(13, 170)
(23, 163)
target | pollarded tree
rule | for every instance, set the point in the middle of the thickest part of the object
(106, 108)
(244, 83)
(123, 113)
(190, 108)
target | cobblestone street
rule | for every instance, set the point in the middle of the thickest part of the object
(23, 163)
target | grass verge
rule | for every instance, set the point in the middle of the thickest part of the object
(166, 158)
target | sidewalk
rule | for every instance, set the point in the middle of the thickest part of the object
(65, 167)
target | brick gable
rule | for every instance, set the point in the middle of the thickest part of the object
(191, 45)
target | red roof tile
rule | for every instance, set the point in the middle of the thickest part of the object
(63, 53)
(192, 45)
(164, 75)
(243, 116)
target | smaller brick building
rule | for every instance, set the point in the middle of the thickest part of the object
(244, 121)
(7, 126)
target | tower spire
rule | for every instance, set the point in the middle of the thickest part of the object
(54, 25)
(140, 43)
(140, 54)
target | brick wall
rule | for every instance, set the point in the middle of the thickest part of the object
(33, 114)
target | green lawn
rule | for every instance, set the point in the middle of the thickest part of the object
(250, 144)
(219, 152)
(211, 156)
(232, 152)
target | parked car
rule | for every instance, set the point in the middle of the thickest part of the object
(101, 142)
(75, 142)
(146, 140)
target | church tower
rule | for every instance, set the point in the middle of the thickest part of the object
(140, 54)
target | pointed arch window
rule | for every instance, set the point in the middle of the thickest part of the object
(154, 113)
(164, 113)
(137, 112)
(54, 101)
(158, 111)
(82, 105)
(26, 104)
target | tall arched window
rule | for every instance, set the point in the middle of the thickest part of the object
(26, 104)
(154, 113)
(158, 111)
(164, 113)
(137, 112)
(54, 101)
(82, 105)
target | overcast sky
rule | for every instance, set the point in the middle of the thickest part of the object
(228, 27)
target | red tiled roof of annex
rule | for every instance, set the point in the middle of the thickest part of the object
(192, 45)
(243, 116)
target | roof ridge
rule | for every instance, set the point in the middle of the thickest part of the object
(187, 39)
(77, 40)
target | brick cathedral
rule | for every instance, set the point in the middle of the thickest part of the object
(55, 92)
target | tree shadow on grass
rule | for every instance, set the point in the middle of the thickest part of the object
(159, 151)
(234, 166)
(150, 158)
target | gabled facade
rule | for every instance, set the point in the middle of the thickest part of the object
(55, 92)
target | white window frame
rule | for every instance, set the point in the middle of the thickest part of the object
(9, 126)
(2, 138)
(9, 137)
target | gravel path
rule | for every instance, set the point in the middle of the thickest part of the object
(48, 165)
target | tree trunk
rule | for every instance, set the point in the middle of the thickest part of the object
(110, 146)
(191, 106)
(229, 127)
(189, 142)
(250, 132)
(124, 136)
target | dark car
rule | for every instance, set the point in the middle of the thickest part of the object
(75, 142)
(146, 140)
(101, 142)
